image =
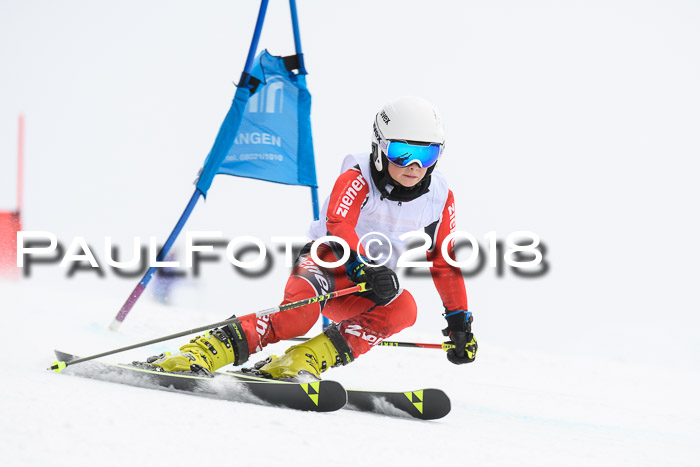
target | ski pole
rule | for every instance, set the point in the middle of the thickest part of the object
(444, 346)
(362, 287)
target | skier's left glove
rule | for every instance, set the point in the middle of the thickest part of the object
(462, 346)
(380, 279)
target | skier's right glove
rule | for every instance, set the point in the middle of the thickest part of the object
(459, 330)
(380, 279)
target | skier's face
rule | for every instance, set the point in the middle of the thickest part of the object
(407, 176)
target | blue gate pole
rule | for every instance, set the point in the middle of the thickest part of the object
(256, 38)
(297, 36)
(141, 286)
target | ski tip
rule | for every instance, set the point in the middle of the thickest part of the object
(57, 366)
(114, 326)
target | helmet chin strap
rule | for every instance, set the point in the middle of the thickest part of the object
(390, 188)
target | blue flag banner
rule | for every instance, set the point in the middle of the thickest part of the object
(266, 135)
(274, 140)
(224, 140)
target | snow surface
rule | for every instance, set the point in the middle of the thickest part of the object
(511, 407)
(574, 120)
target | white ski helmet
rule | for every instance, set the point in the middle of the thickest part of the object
(411, 120)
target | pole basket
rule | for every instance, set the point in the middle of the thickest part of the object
(10, 224)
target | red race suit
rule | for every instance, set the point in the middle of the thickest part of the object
(372, 226)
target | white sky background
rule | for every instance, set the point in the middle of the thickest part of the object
(576, 120)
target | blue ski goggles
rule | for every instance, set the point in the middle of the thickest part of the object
(404, 153)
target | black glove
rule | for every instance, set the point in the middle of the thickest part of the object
(459, 330)
(380, 279)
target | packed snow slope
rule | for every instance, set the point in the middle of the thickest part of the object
(511, 407)
(573, 120)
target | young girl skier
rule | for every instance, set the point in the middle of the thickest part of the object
(378, 197)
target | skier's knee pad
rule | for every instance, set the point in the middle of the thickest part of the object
(284, 325)
(297, 321)
(402, 311)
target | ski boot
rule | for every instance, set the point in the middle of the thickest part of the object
(207, 353)
(312, 357)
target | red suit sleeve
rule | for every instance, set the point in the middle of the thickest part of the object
(448, 279)
(347, 198)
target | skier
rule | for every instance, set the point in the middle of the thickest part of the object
(378, 197)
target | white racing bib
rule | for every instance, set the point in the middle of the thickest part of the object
(382, 222)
